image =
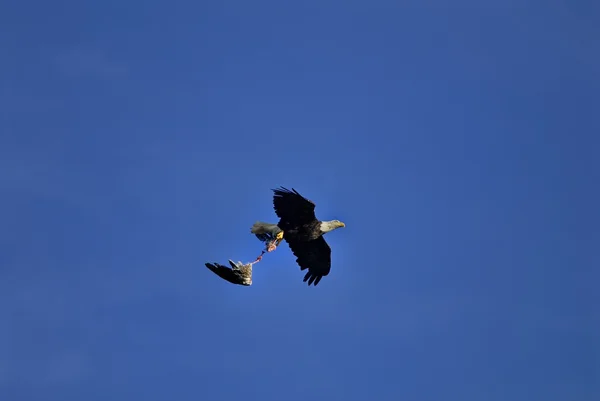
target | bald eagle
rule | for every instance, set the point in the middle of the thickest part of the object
(239, 273)
(302, 231)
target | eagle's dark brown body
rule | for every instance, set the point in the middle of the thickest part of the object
(304, 232)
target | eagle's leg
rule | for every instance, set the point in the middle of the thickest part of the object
(272, 245)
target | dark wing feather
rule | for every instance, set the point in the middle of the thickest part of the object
(313, 255)
(226, 273)
(292, 207)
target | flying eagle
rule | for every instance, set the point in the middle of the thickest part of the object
(239, 273)
(302, 231)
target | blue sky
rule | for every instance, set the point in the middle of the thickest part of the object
(141, 140)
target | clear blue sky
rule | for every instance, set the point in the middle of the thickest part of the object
(458, 143)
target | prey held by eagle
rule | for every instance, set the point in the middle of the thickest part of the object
(303, 232)
(239, 273)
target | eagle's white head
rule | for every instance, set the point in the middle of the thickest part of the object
(327, 226)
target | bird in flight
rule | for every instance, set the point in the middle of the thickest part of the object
(300, 228)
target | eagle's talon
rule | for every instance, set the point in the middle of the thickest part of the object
(275, 243)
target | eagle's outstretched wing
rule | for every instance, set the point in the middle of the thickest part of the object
(313, 255)
(292, 207)
(238, 273)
